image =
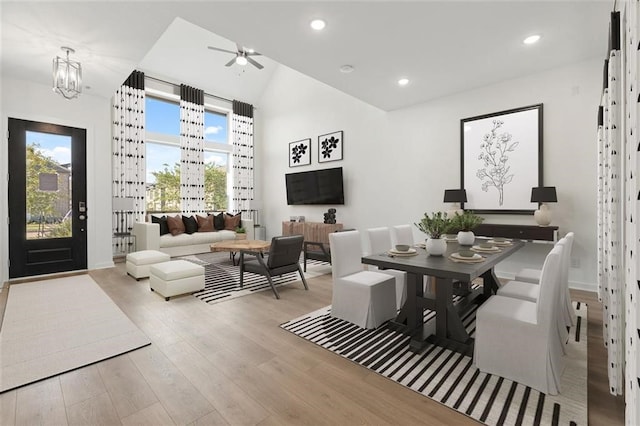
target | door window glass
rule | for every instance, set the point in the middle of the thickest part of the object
(48, 186)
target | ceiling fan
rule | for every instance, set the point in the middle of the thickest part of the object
(242, 56)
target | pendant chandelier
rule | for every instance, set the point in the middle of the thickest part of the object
(67, 75)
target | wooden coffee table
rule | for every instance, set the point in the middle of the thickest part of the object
(234, 246)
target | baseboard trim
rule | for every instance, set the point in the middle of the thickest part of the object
(23, 280)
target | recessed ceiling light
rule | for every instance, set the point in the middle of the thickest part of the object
(318, 24)
(403, 81)
(531, 39)
(346, 69)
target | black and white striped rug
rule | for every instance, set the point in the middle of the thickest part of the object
(222, 278)
(451, 378)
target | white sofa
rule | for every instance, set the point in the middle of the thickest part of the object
(148, 238)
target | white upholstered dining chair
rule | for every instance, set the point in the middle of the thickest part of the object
(380, 242)
(530, 291)
(533, 276)
(402, 234)
(516, 339)
(364, 298)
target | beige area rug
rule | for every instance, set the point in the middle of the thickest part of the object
(58, 325)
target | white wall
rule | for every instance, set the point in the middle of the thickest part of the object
(30, 101)
(397, 164)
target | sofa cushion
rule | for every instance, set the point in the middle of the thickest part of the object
(176, 225)
(164, 227)
(231, 222)
(205, 224)
(218, 221)
(195, 239)
(190, 224)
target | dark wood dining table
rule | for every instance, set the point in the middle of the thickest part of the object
(449, 329)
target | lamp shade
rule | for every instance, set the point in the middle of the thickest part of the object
(455, 196)
(544, 194)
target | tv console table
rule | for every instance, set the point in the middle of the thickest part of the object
(311, 231)
(521, 232)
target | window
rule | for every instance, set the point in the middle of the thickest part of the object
(163, 156)
(216, 161)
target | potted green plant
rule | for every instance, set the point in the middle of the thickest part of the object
(465, 223)
(435, 226)
(241, 233)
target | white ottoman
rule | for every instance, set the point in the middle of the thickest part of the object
(138, 263)
(176, 277)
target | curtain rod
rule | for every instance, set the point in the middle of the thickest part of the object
(177, 85)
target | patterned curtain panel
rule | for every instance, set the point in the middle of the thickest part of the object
(611, 231)
(191, 149)
(631, 51)
(242, 156)
(128, 152)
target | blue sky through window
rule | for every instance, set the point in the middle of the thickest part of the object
(56, 147)
(164, 117)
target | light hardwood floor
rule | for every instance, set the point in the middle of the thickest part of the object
(230, 363)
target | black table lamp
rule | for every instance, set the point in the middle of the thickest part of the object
(455, 196)
(543, 195)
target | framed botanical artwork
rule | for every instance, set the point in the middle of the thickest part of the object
(501, 160)
(330, 147)
(300, 153)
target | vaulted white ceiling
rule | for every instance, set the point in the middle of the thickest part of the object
(443, 47)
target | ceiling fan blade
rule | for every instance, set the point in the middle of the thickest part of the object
(240, 48)
(221, 50)
(231, 62)
(254, 63)
(253, 54)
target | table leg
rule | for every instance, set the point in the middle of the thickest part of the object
(450, 330)
(490, 283)
(444, 293)
(410, 316)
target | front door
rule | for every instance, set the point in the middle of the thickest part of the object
(47, 198)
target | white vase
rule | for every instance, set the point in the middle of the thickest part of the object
(436, 246)
(466, 238)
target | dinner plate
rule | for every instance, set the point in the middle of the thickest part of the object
(410, 251)
(488, 250)
(500, 243)
(475, 256)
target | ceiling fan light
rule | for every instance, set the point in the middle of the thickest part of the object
(403, 81)
(241, 60)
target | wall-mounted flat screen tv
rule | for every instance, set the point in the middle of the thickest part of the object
(315, 187)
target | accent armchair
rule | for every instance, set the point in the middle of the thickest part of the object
(283, 257)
